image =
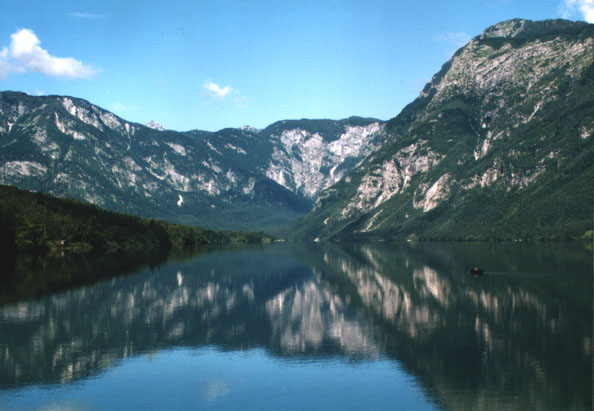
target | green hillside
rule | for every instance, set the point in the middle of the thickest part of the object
(39, 223)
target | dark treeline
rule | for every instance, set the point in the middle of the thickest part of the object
(27, 276)
(38, 223)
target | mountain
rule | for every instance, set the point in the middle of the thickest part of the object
(155, 125)
(497, 146)
(304, 156)
(234, 178)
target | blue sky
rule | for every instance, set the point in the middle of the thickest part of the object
(227, 63)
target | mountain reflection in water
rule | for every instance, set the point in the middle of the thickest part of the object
(521, 339)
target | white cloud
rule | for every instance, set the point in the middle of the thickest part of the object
(25, 54)
(212, 89)
(572, 8)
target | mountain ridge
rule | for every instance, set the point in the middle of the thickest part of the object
(226, 179)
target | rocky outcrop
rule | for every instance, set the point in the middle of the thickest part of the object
(307, 163)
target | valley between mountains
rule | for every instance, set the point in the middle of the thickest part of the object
(498, 146)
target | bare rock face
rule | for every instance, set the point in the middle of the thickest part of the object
(306, 162)
(496, 126)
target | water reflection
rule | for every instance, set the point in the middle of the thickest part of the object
(482, 341)
(519, 337)
(26, 276)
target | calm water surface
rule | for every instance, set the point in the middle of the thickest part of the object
(297, 326)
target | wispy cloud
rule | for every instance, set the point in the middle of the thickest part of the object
(241, 102)
(213, 90)
(454, 40)
(85, 15)
(6, 66)
(583, 8)
(120, 108)
(25, 54)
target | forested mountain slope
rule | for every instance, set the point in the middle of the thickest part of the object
(497, 146)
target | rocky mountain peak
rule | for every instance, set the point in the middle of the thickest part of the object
(154, 125)
(515, 54)
(250, 129)
(508, 28)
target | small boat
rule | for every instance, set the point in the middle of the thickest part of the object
(477, 271)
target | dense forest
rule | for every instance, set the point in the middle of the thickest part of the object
(38, 223)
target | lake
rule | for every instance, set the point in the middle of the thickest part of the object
(307, 326)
